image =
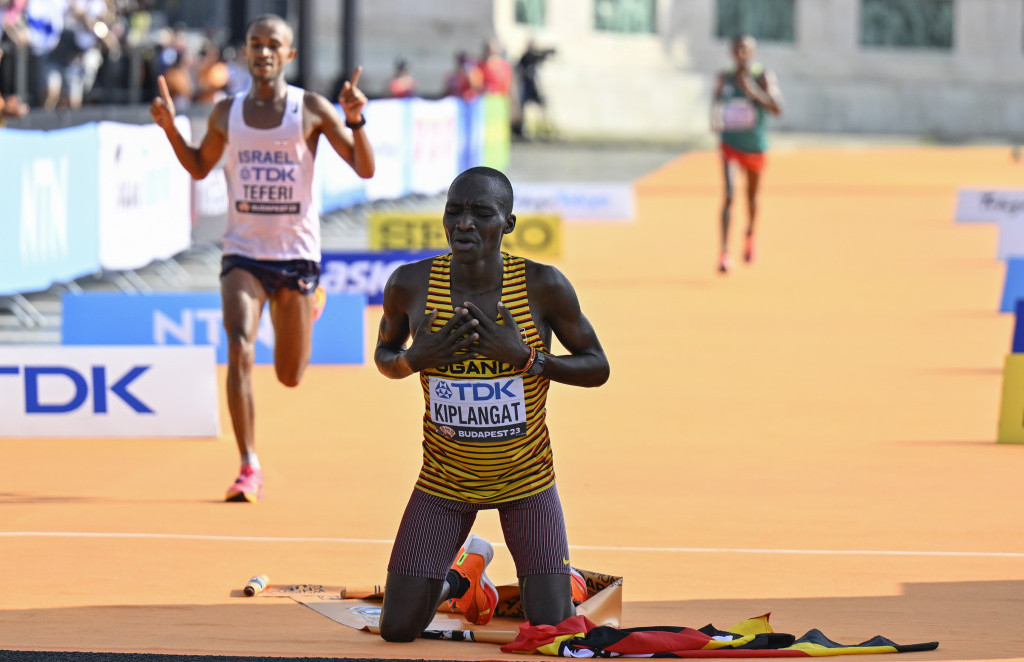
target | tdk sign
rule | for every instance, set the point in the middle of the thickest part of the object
(108, 391)
(195, 318)
(37, 377)
(365, 273)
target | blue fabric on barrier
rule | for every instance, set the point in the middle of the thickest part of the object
(49, 228)
(194, 318)
(1013, 285)
(1018, 329)
(365, 272)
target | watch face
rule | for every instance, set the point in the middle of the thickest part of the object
(538, 364)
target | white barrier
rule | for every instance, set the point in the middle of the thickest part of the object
(145, 209)
(989, 206)
(578, 201)
(108, 391)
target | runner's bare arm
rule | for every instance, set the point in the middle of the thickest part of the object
(716, 105)
(553, 295)
(198, 161)
(351, 145)
(428, 349)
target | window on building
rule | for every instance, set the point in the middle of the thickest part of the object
(765, 20)
(636, 16)
(907, 24)
(531, 12)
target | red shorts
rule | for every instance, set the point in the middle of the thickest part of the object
(752, 161)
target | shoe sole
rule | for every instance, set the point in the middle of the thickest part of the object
(477, 545)
(244, 497)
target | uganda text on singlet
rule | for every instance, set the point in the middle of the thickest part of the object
(271, 211)
(485, 438)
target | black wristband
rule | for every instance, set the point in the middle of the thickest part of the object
(356, 125)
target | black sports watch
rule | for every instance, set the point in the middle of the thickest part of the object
(356, 125)
(538, 364)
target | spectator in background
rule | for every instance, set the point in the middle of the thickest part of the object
(45, 22)
(212, 75)
(402, 83)
(13, 40)
(87, 36)
(529, 90)
(239, 79)
(465, 80)
(12, 106)
(495, 70)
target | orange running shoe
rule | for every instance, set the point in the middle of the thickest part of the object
(579, 586)
(319, 302)
(247, 487)
(478, 601)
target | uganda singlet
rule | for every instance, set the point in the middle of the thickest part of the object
(485, 436)
(269, 172)
(743, 121)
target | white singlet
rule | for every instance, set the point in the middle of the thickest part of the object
(271, 211)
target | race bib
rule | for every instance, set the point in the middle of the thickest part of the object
(268, 182)
(478, 410)
(739, 115)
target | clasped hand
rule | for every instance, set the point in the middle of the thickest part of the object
(469, 330)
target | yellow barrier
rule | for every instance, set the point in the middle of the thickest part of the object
(1011, 411)
(535, 235)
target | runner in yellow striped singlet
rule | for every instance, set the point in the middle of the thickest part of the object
(481, 323)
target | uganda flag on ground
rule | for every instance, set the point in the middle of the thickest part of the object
(578, 637)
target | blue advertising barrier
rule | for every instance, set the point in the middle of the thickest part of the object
(1013, 285)
(49, 229)
(364, 273)
(194, 318)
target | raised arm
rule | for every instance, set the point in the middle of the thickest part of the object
(764, 90)
(351, 145)
(198, 161)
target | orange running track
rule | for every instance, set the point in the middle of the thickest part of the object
(812, 436)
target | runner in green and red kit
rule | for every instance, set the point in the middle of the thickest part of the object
(744, 96)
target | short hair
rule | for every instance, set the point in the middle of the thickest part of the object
(743, 36)
(497, 176)
(269, 18)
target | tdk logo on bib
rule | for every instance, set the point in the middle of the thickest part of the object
(478, 410)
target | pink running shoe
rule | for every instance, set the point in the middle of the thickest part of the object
(724, 264)
(319, 302)
(247, 487)
(749, 249)
(477, 603)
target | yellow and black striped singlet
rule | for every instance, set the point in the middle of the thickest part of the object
(485, 437)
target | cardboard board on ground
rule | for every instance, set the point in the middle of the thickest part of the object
(359, 607)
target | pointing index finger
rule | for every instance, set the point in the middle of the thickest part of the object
(355, 76)
(165, 93)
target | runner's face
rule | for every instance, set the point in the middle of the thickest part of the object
(269, 49)
(743, 51)
(475, 218)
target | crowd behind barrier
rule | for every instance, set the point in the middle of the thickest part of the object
(107, 196)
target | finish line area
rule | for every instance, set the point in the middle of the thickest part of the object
(812, 435)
